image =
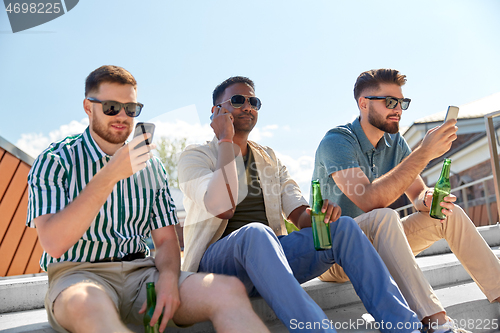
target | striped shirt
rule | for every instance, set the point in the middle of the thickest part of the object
(136, 205)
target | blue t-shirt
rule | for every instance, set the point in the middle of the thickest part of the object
(346, 147)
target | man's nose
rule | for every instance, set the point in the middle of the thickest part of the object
(122, 114)
(247, 106)
(398, 108)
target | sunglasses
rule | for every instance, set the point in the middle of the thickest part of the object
(392, 102)
(112, 108)
(237, 101)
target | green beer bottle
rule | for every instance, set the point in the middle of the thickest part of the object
(151, 304)
(321, 230)
(441, 190)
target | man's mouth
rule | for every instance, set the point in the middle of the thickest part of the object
(119, 126)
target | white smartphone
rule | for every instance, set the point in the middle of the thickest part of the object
(452, 113)
(143, 128)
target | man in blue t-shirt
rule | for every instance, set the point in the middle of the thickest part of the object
(366, 165)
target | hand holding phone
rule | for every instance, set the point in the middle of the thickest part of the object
(212, 115)
(452, 113)
(143, 128)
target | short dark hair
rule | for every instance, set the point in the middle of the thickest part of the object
(110, 74)
(219, 90)
(371, 80)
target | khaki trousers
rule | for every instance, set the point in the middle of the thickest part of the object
(398, 241)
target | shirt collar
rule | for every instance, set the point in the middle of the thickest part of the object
(91, 146)
(365, 144)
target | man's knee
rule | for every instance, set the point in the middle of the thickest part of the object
(227, 290)
(344, 223)
(386, 219)
(80, 300)
(458, 217)
(257, 231)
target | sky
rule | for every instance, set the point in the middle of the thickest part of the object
(304, 57)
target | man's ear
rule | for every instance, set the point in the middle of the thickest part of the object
(87, 106)
(362, 103)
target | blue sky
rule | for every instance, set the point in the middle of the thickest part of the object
(304, 57)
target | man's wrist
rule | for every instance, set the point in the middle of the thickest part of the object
(422, 154)
(107, 177)
(225, 140)
(423, 199)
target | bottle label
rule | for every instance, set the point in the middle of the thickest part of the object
(321, 232)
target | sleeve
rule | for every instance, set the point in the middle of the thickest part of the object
(163, 212)
(195, 173)
(405, 149)
(336, 152)
(47, 187)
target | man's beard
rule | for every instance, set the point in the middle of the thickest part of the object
(377, 121)
(102, 131)
(243, 126)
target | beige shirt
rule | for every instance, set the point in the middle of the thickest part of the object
(201, 229)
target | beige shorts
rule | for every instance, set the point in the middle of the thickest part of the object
(124, 282)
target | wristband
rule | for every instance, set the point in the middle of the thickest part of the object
(425, 196)
(225, 140)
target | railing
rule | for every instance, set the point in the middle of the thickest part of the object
(495, 166)
(408, 209)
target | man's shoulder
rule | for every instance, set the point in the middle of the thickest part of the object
(343, 132)
(265, 151)
(346, 129)
(204, 148)
(61, 148)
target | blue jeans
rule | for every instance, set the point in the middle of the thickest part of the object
(274, 267)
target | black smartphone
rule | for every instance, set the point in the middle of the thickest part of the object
(143, 128)
(452, 113)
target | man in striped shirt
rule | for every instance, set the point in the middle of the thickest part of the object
(94, 200)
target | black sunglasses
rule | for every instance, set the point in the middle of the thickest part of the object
(392, 102)
(237, 101)
(112, 108)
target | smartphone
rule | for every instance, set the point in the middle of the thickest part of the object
(452, 113)
(143, 128)
(212, 115)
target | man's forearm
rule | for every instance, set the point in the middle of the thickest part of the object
(222, 192)
(168, 259)
(58, 232)
(385, 190)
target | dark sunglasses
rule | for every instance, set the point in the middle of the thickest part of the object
(237, 101)
(392, 102)
(112, 108)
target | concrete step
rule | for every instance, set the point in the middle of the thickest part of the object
(339, 301)
(465, 303)
(26, 293)
(490, 233)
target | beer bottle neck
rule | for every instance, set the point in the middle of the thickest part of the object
(151, 295)
(445, 172)
(317, 198)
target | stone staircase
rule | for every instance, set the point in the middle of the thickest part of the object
(21, 298)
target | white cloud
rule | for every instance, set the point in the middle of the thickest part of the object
(300, 169)
(194, 132)
(34, 143)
